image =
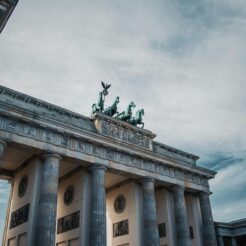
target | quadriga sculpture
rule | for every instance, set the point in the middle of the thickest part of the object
(112, 110)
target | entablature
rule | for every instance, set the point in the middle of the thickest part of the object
(110, 141)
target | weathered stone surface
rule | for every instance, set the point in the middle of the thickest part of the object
(174, 153)
(233, 241)
(182, 227)
(220, 241)
(150, 226)
(98, 206)
(209, 237)
(3, 145)
(122, 131)
(65, 140)
(38, 120)
(41, 110)
(46, 223)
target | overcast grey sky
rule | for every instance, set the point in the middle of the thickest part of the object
(183, 61)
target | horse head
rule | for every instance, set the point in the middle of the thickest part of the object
(117, 100)
(140, 112)
(131, 105)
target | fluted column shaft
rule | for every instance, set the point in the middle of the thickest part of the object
(181, 218)
(209, 236)
(220, 241)
(151, 234)
(98, 206)
(3, 145)
(46, 223)
(233, 241)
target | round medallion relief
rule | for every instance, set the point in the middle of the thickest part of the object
(119, 204)
(23, 186)
(68, 195)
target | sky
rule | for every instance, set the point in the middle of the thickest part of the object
(183, 61)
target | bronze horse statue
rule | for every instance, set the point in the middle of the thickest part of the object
(137, 119)
(112, 110)
(98, 107)
(127, 114)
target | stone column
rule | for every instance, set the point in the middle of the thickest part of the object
(209, 237)
(220, 241)
(98, 206)
(11, 181)
(46, 219)
(181, 218)
(151, 234)
(3, 145)
(233, 241)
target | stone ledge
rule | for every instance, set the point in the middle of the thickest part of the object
(123, 131)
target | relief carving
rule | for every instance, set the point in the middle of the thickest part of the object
(121, 228)
(19, 216)
(124, 135)
(68, 222)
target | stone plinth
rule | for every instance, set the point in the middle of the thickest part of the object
(123, 131)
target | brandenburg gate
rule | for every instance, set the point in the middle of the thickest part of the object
(97, 181)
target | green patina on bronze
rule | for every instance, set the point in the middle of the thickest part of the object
(127, 114)
(99, 106)
(112, 110)
(137, 119)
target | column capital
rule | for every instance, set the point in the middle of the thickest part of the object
(204, 192)
(147, 179)
(178, 188)
(3, 142)
(50, 154)
(97, 166)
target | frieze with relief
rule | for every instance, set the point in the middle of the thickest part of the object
(125, 135)
(70, 142)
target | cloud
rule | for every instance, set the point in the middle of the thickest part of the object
(228, 188)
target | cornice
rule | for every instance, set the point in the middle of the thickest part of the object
(7, 7)
(176, 151)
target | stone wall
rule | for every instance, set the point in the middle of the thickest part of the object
(132, 213)
(23, 208)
